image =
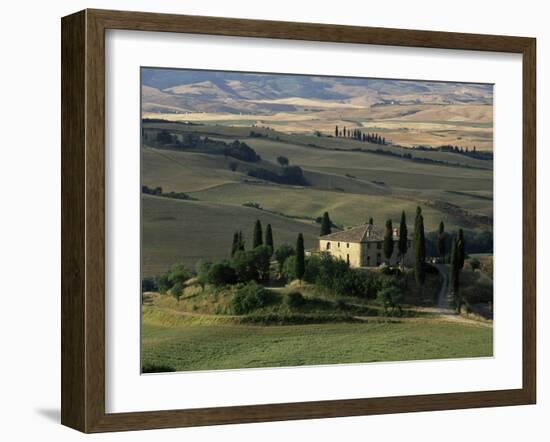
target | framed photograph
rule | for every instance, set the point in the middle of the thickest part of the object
(267, 221)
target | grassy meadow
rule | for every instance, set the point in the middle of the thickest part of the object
(218, 346)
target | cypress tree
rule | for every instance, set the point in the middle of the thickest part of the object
(344, 131)
(461, 253)
(300, 268)
(257, 236)
(241, 240)
(326, 224)
(371, 221)
(455, 275)
(388, 241)
(419, 248)
(441, 239)
(403, 240)
(235, 245)
(336, 131)
(269, 239)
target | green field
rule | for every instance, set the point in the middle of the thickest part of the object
(174, 231)
(352, 186)
(211, 346)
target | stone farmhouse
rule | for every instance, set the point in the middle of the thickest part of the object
(363, 246)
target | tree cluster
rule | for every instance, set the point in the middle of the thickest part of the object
(357, 134)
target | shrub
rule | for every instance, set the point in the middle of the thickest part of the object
(156, 368)
(391, 271)
(202, 268)
(313, 267)
(295, 299)
(289, 269)
(178, 274)
(248, 298)
(221, 273)
(252, 265)
(282, 253)
(390, 297)
(177, 290)
(163, 283)
(149, 285)
(475, 264)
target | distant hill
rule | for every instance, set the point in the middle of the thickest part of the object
(170, 90)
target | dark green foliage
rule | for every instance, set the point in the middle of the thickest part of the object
(156, 368)
(390, 297)
(282, 253)
(175, 195)
(241, 240)
(475, 264)
(288, 269)
(262, 256)
(336, 131)
(335, 276)
(221, 273)
(269, 239)
(177, 290)
(257, 235)
(300, 257)
(164, 137)
(248, 298)
(194, 142)
(202, 268)
(283, 161)
(403, 240)
(295, 299)
(236, 244)
(390, 271)
(173, 280)
(371, 221)
(151, 191)
(149, 285)
(242, 151)
(455, 275)
(162, 283)
(293, 175)
(442, 240)
(474, 242)
(252, 265)
(419, 248)
(244, 263)
(326, 225)
(388, 241)
(178, 274)
(461, 244)
(313, 267)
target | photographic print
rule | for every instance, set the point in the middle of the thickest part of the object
(294, 220)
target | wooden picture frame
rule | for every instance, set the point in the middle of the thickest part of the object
(83, 220)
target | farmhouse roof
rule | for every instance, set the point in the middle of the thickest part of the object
(363, 233)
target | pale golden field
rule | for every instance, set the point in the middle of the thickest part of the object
(466, 125)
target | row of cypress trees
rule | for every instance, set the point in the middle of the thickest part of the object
(258, 239)
(357, 134)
